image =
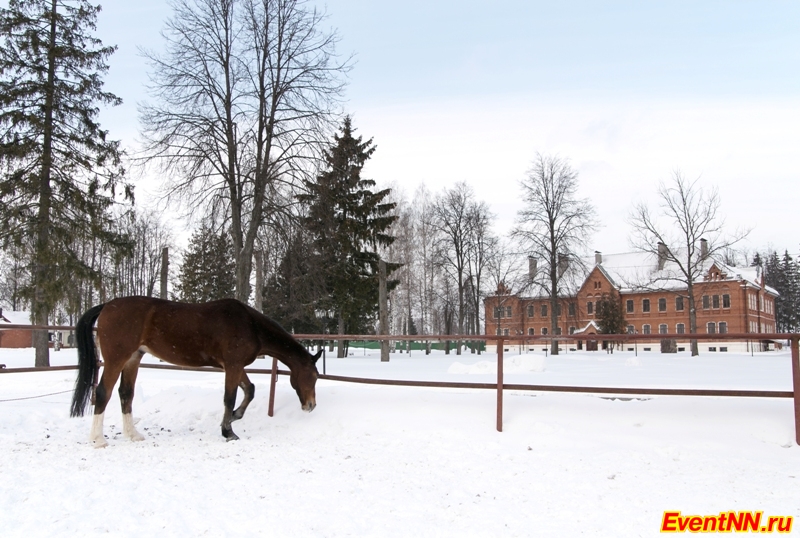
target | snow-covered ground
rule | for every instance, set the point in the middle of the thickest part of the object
(399, 461)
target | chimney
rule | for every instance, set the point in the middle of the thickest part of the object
(563, 263)
(662, 255)
(532, 267)
(703, 249)
(598, 258)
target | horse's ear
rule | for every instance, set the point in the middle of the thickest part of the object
(318, 355)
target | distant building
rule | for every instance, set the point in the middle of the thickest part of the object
(728, 300)
(15, 338)
(19, 338)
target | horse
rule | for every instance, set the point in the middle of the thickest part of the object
(226, 334)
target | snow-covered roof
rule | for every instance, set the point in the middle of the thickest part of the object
(10, 317)
(632, 271)
(637, 271)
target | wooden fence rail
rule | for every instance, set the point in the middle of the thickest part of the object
(500, 386)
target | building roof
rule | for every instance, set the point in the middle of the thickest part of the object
(10, 317)
(638, 271)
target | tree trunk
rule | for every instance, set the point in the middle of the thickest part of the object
(553, 304)
(40, 307)
(692, 320)
(383, 310)
(257, 303)
(340, 343)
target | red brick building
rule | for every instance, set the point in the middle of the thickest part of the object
(15, 338)
(654, 301)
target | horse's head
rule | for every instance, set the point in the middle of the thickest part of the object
(303, 378)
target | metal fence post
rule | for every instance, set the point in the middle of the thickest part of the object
(500, 385)
(796, 386)
(272, 381)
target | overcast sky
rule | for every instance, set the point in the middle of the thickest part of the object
(628, 91)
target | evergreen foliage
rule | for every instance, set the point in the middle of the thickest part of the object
(208, 269)
(348, 222)
(290, 293)
(60, 170)
(610, 314)
(783, 274)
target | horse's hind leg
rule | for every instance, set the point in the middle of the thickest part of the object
(249, 391)
(111, 371)
(126, 388)
(233, 375)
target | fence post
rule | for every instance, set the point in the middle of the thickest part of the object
(272, 381)
(500, 345)
(796, 386)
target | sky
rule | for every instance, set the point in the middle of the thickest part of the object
(628, 91)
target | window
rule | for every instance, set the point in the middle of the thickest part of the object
(680, 328)
(706, 302)
(530, 311)
(679, 303)
(662, 305)
(558, 330)
(544, 310)
(531, 331)
(505, 332)
(662, 329)
(499, 332)
(726, 301)
(645, 305)
(645, 329)
(498, 313)
(712, 348)
(590, 308)
(711, 327)
(558, 309)
(544, 330)
(508, 311)
(571, 310)
(715, 301)
(723, 327)
(572, 330)
(630, 329)
(629, 306)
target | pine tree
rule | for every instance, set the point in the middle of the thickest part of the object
(208, 269)
(787, 305)
(348, 223)
(59, 169)
(610, 315)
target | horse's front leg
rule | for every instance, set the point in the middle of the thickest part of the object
(232, 377)
(249, 391)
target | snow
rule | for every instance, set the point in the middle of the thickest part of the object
(400, 461)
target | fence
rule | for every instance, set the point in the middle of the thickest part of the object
(500, 386)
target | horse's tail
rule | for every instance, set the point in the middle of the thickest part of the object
(87, 361)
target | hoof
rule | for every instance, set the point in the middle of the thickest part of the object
(136, 436)
(99, 443)
(232, 437)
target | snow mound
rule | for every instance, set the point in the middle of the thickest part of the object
(511, 365)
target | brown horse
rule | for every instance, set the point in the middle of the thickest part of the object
(226, 334)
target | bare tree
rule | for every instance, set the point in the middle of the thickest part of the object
(482, 249)
(554, 225)
(245, 92)
(686, 231)
(451, 212)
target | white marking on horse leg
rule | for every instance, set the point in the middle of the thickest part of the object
(129, 430)
(96, 436)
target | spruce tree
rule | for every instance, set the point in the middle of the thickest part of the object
(349, 222)
(610, 315)
(60, 170)
(208, 271)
